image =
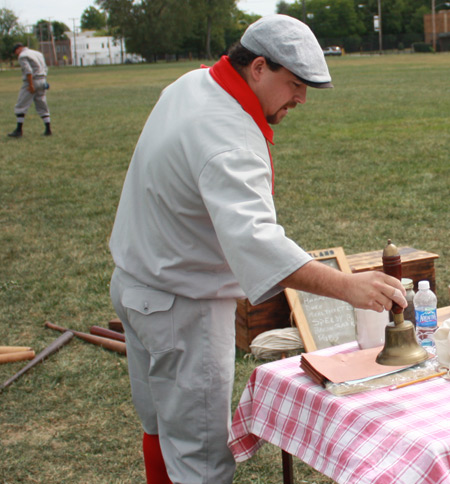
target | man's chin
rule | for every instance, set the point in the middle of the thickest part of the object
(277, 117)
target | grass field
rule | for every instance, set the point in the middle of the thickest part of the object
(366, 161)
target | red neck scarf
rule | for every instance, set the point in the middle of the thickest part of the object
(231, 81)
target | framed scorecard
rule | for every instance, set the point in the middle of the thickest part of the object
(323, 321)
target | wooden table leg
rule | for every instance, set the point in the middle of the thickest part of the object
(288, 471)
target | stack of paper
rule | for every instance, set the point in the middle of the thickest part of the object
(345, 367)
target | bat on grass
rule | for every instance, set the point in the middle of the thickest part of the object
(107, 343)
(51, 348)
(107, 333)
(116, 325)
(13, 349)
(17, 356)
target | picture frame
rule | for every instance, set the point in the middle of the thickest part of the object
(322, 321)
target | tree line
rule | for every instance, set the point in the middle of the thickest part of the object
(159, 28)
(206, 28)
(350, 23)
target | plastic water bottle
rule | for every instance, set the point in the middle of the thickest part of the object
(425, 303)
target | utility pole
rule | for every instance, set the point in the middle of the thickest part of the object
(42, 46)
(433, 22)
(380, 31)
(50, 30)
(75, 40)
(378, 28)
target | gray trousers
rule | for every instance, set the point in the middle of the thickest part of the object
(181, 355)
(39, 97)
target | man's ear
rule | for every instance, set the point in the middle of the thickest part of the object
(257, 67)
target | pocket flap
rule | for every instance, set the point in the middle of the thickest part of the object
(146, 300)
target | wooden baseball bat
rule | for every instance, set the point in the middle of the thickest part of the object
(13, 349)
(107, 343)
(107, 333)
(51, 348)
(116, 325)
(17, 356)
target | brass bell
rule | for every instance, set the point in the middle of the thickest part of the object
(400, 345)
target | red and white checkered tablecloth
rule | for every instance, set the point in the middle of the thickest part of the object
(375, 437)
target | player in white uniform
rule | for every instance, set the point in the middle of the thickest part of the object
(196, 228)
(34, 75)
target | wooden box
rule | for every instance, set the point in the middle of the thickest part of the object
(253, 320)
(275, 313)
(417, 265)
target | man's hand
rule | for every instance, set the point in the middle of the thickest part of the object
(30, 83)
(375, 290)
(366, 290)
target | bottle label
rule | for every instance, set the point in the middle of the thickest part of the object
(426, 318)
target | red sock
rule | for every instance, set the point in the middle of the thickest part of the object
(155, 467)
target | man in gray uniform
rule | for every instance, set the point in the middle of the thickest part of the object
(34, 75)
(196, 229)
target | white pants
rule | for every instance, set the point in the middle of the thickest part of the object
(26, 97)
(181, 355)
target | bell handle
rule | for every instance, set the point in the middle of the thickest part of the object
(392, 266)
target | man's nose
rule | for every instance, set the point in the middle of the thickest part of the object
(300, 95)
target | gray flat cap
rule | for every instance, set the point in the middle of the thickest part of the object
(290, 43)
(16, 46)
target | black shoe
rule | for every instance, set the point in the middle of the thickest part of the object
(47, 132)
(15, 134)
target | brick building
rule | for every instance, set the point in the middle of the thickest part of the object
(57, 53)
(441, 30)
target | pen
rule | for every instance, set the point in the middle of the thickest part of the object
(434, 375)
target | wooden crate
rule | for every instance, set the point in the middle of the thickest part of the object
(443, 314)
(253, 320)
(275, 313)
(416, 264)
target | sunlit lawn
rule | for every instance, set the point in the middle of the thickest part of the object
(366, 161)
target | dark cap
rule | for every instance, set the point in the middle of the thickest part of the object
(290, 43)
(16, 46)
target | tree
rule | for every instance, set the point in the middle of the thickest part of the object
(415, 22)
(8, 22)
(150, 28)
(398, 16)
(329, 19)
(158, 27)
(44, 30)
(154, 28)
(59, 30)
(93, 19)
(346, 21)
(283, 7)
(214, 16)
(119, 18)
(239, 22)
(11, 32)
(118, 13)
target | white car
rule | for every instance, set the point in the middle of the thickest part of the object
(332, 50)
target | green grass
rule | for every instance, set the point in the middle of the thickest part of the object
(366, 161)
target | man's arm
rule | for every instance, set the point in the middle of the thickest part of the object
(30, 83)
(27, 71)
(367, 290)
